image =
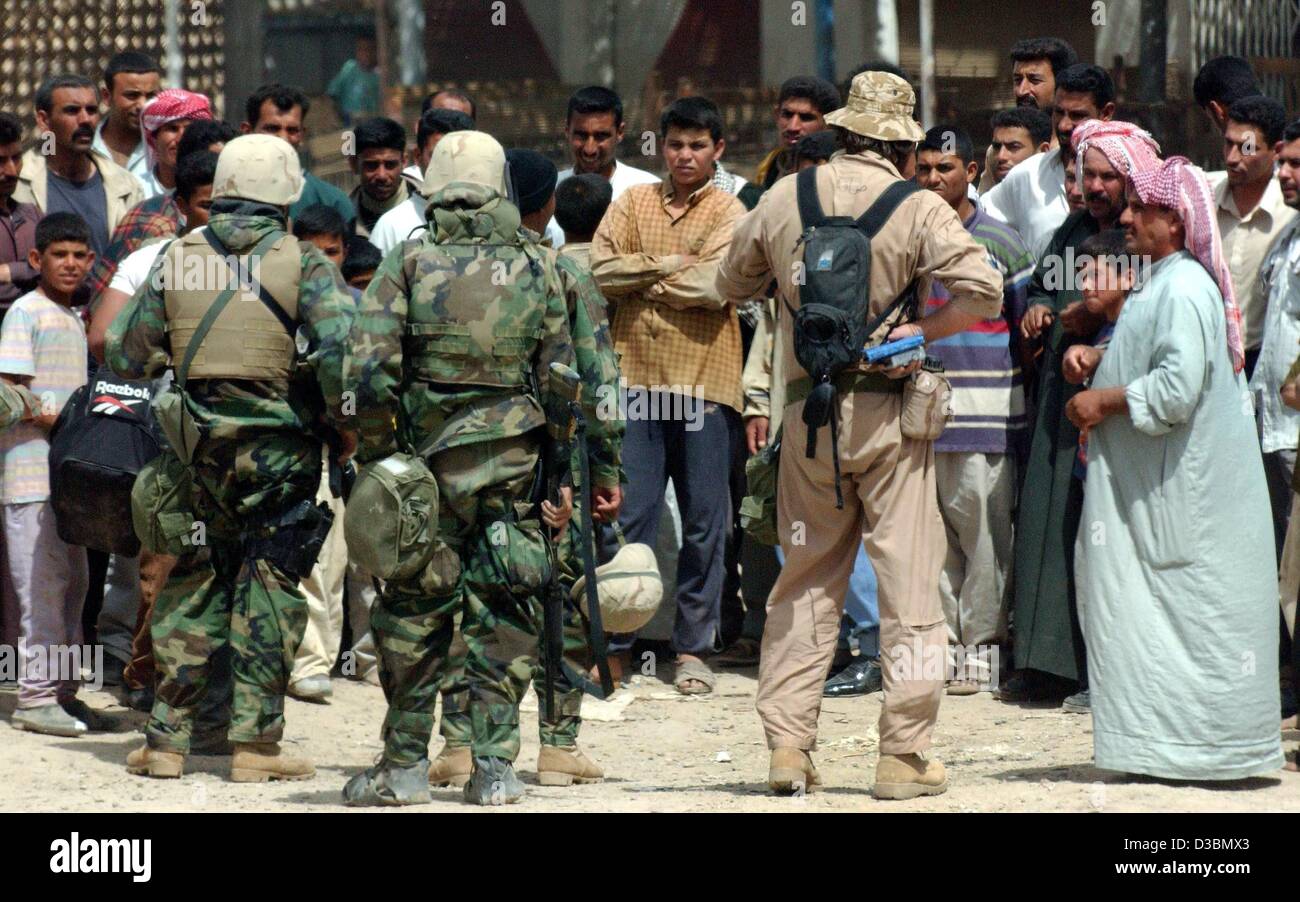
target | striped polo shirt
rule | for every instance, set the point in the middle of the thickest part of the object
(988, 396)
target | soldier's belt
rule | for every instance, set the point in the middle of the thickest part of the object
(845, 383)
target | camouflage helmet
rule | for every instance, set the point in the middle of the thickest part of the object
(466, 156)
(263, 168)
(391, 521)
(880, 106)
(629, 588)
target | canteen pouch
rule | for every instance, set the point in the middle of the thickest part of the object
(162, 506)
(758, 508)
(391, 519)
(927, 405)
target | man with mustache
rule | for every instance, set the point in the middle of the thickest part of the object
(1032, 199)
(62, 173)
(17, 221)
(131, 80)
(1035, 64)
(801, 109)
(1049, 649)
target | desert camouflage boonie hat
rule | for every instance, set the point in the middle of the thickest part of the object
(466, 156)
(259, 167)
(880, 106)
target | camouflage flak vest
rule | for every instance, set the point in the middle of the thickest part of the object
(247, 341)
(478, 299)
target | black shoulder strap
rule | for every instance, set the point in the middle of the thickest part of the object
(810, 205)
(263, 294)
(878, 213)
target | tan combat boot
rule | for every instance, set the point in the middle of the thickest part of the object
(909, 776)
(791, 772)
(452, 767)
(566, 765)
(145, 761)
(258, 762)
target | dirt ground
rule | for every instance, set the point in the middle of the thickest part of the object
(661, 752)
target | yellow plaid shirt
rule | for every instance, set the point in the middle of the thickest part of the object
(671, 327)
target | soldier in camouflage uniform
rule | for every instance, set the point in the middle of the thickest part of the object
(560, 761)
(449, 357)
(257, 458)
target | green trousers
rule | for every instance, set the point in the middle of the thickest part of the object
(493, 579)
(214, 598)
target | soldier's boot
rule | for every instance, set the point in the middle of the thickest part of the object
(211, 742)
(258, 762)
(390, 784)
(566, 765)
(147, 762)
(909, 776)
(493, 782)
(791, 772)
(452, 767)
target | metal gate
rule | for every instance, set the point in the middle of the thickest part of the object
(52, 37)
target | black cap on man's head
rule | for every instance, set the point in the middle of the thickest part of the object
(534, 179)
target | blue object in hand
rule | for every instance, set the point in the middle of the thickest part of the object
(897, 353)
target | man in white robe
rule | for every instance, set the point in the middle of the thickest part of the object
(1175, 561)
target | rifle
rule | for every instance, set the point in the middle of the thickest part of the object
(565, 382)
(558, 454)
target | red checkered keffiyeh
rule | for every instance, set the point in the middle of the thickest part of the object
(168, 106)
(1128, 148)
(1180, 186)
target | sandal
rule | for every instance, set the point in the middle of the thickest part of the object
(741, 653)
(696, 672)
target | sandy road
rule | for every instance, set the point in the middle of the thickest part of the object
(661, 752)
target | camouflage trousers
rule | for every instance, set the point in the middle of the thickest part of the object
(216, 599)
(563, 729)
(492, 573)
(455, 724)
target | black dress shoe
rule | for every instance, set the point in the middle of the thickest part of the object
(843, 658)
(1035, 686)
(862, 677)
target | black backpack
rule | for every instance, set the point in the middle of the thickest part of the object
(833, 322)
(103, 437)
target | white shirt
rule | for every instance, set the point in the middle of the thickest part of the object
(623, 177)
(137, 163)
(1281, 272)
(133, 271)
(1246, 241)
(395, 226)
(1031, 199)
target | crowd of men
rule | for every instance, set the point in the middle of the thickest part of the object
(1065, 497)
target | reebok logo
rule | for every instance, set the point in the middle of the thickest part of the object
(108, 405)
(124, 390)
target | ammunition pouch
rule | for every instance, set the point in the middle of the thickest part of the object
(293, 541)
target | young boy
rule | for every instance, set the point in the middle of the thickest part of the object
(580, 205)
(43, 347)
(1106, 275)
(359, 264)
(325, 228)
